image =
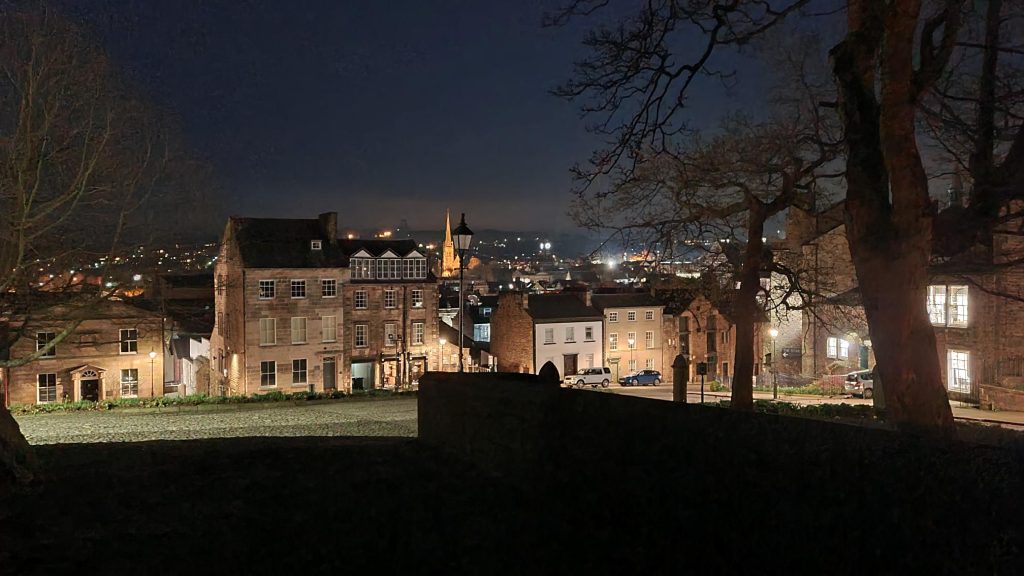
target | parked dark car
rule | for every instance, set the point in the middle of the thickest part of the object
(641, 378)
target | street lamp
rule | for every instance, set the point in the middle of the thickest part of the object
(152, 377)
(440, 354)
(462, 236)
(775, 371)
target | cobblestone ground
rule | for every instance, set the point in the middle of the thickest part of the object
(395, 417)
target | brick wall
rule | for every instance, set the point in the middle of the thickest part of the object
(512, 334)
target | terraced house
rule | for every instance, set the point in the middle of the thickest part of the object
(116, 350)
(300, 309)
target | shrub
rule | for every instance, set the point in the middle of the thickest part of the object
(716, 386)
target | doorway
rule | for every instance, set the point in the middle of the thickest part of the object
(330, 374)
(90, 389)
(569, 363)
(362, 375)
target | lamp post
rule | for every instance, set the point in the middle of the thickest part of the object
(632, 342)
(462, 236)
(775, 371)
(440, 354)
(152, 376)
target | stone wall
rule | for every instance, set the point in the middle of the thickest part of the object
(999, 398)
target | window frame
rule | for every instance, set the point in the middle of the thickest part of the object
(297, 371)
(266, 289)
(361, 295)
(133, 343)
(391, 295)
(332, 322)
(613, 317)
(631, 336)
(44, 338)
(329, 282)
(649, 339)
(418, 333)
(361, 331)
(48, 387)
(129, 383)
(305, 330)
(631, 316)
(298, 285)
(588, 333)
(417, 298)
(952, 370)
(549, 336)
(613, 341)
(271, 375)
(649, 315)
(272, 322)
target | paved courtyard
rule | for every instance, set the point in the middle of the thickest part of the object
(371, 417)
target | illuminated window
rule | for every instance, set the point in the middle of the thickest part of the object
(959, 371)
(613, 341)
(631, 340)
(130, 382)
(268, 331)
(947, 305)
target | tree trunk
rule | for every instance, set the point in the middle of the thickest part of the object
(890, 240)
(746, 311)
(17, 461)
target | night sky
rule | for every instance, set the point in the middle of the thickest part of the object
(379, 110)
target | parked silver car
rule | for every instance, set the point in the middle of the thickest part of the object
(593, 376)
(860, 383)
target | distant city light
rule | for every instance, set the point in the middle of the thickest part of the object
(137, 277)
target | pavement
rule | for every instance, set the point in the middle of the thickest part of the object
(664, 392)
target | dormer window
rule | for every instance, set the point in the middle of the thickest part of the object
(316, 244)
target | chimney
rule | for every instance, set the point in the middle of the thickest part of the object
(329, 225)
(586, 297)
(526, 300)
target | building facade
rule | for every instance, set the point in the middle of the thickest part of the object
(299, 309)
(116, 352)
(528, 330)
(634, 335)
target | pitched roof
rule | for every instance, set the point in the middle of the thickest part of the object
(629, 300)
(561, 307)
(285, 243)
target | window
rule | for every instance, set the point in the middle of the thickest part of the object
(46, 388)
(649, 338)
(298, 288)
(390, 334)
(417, 332)
(631, 340)
(44, 338)
(130, 382)
(837, 348)
(299, 330)
(360, 336)
(631, 316)
(267, 289)
(415, 267)
(588, 333)
(725, 369)
(570, 334)
(417, 298)
(390, 298)
(549, 335)
(947, 305)
(360, 299)
(129, 341)
(649, 315)
(268, 373)
(613, 316)
(725, 336)
(315, 245)
(590, 361)
(711, 342)
(632, 365)
(362, 268)
(959, 371)
(389, 269)
(268, 331)
(613, 341)
(712, 322)
(937, 305)
(684, 324)
(299, 371)
(649, 363)
(329, 328)
(328, 288)
(958, 306)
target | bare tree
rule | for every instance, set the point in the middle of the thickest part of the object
(84, 166)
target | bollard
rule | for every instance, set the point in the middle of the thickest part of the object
(680, 376)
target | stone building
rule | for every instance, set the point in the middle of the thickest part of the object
(300, 309)
(707, 334)
(633, 332)
(528, 330)
(117, 351)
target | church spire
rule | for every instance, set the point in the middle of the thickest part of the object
(449, 259)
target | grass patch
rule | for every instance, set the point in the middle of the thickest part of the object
(821, 411)
(810, 389)
(196, 400)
